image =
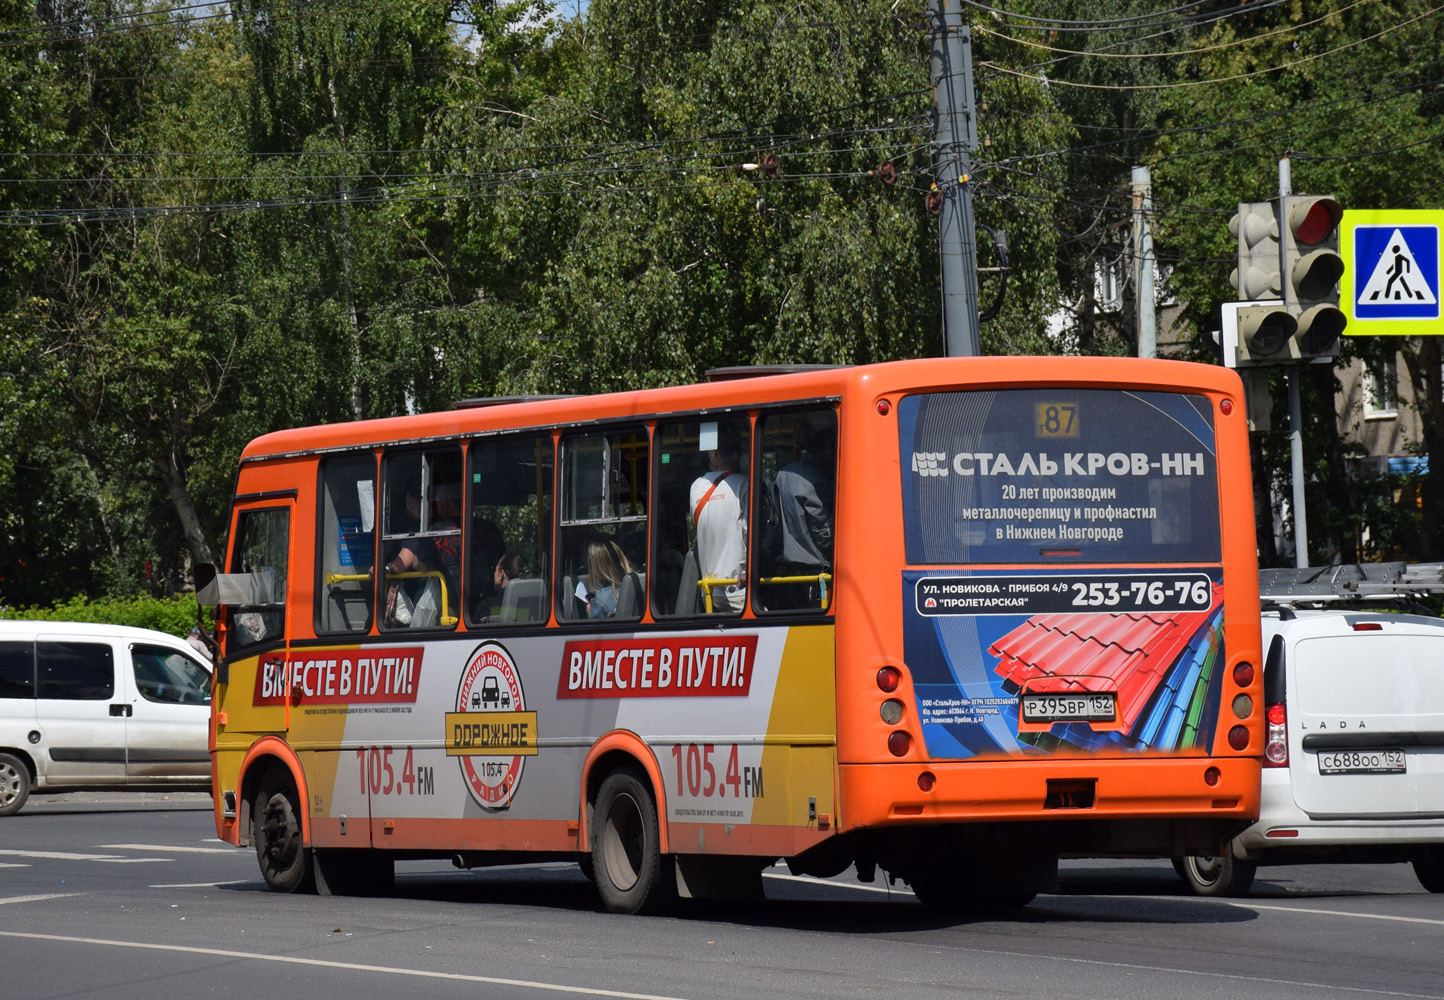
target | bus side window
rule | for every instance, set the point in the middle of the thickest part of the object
(604, 497)
(261, 553)
(509, 552)
(702, 494)
(794, 510)
(421, 538)
(346, 544)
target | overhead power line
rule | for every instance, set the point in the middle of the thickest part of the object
(1217, 79)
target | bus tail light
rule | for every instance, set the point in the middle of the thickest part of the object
(899, 743)
(1276, 746)
(1238, 737)
(888, 678)
(926, 780)
(1243, 673)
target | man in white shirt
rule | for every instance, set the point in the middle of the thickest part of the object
(719, 509)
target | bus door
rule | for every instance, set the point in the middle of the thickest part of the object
(252, 683)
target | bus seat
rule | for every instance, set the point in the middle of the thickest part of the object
(632, 595)
(347, 610)
(687, 589)
(524, 600)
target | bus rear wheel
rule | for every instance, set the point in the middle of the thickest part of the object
(14, 784)
(631, 874)
(276, 831)
(1223, 875)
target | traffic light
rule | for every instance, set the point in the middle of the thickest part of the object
(1264, 324)
(1311, 269)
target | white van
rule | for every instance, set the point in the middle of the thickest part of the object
(1354, 758)
(93, 707)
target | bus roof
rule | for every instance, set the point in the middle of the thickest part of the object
(917, 375)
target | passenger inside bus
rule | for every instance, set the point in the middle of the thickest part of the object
(609, 578)
(718, 505)
(795, 547)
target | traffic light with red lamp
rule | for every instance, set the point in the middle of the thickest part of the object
(1312, 267)
(1288, 281)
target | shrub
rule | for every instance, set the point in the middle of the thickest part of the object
(174, 615)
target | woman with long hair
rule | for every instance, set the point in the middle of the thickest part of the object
(607, 566)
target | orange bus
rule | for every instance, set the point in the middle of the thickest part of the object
(947, 618)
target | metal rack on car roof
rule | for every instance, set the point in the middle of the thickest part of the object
(1354, 585)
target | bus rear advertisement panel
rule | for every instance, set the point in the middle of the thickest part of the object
(1104, 634)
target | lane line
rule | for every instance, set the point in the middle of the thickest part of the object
(1243, 902)
(240, 852)
(349, 966)
(58, 855)
(202, 885)
(1340, 913)
(132, 861)
(12, 864)
(36, 899)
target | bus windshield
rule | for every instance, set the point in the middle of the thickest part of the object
(1059, 474)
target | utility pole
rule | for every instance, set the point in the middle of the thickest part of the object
(1295, 373)
(955, 136)
(1143, 262)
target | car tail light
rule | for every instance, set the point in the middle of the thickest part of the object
(1276, 745)
(1368, 627)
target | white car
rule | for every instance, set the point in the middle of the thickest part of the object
(94, 707)
(1354, 758)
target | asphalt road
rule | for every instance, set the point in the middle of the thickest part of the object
(126, 896)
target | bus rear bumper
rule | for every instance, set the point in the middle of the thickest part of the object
(1057, 789)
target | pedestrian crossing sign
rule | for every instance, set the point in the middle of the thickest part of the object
(1391, 280)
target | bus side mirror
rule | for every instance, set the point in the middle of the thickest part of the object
(205, 574)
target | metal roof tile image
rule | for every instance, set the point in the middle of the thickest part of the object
(1154, 661)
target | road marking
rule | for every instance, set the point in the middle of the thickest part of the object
(170, 849)
(202, 885)
(810, 880)
(36, 899)
(1340, 913)
(1282, 909)
(59, 855)
(9, 864)
(350, 966)
(114, 859)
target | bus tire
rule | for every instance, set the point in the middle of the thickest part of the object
(630, 871)
(14, 784)
(353, 872)
(276, 831)
(1223, 875)
(1429, 868)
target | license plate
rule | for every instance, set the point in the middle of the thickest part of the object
(1361, 762)
(1068, 707)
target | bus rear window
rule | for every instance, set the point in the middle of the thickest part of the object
(1059, 476)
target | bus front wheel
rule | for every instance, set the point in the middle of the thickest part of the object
(1223, 875)
(631, 874)
(14, 784)
(276, 832)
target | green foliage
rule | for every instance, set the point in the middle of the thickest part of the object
(174, 615)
